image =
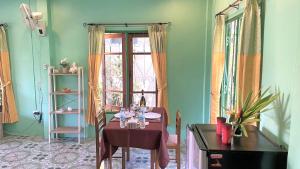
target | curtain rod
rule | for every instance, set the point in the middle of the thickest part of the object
(125, 24)
(235, 5)
(4, 24)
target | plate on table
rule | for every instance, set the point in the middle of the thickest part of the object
(152, 115)
(127, 114)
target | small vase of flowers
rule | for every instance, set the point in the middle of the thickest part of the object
(65, 65)
(250, 111)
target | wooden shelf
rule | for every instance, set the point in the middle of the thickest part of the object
(74, 111)
(65, 93)
(64, 74)
(60, 98)
(70, 130)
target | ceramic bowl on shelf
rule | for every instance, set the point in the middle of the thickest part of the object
(69, 109)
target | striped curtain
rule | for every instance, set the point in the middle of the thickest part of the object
(218, 59)
(96, 51)
(249, 59)
(158, 42)
(9, 110)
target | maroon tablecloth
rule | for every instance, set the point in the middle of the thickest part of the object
(154, 136)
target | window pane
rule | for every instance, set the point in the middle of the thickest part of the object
(113, 45)
(150, 99)
(228, 95)
(141, 44)
(143, 73)
(114, 98)
(113, 72)
(114, 80)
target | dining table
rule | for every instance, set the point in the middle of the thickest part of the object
(153, 137)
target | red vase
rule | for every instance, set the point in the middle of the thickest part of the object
(220, 122)
(226, 133)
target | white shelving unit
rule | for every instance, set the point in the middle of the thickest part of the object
(56, 107)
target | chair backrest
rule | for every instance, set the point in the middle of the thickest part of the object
(178, 126)
(100, 122)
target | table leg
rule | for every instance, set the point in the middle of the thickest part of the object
(110, 157)
(123, 158)
(128, 153)
(152, 159)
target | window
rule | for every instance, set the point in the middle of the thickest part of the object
(228, 90)
(127, 70)
(142, 76)
(113, 74)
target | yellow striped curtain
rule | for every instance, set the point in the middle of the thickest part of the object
(158, 42)
(218, 59)
(96, 51)
(249, 58)
(9, 110)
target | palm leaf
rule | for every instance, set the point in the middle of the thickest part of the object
(244, 131)
(247, 101)
(249, 121)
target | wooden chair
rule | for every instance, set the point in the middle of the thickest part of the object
(174, 140)
(100, 123)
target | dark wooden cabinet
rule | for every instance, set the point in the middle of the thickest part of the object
(253, 152)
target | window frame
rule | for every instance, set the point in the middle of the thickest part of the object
(127, 69)
(130, 66)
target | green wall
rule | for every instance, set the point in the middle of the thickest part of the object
(23, 47)
(186, 42)
(188, 49)
(281, 50)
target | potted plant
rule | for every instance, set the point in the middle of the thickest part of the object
(250, 112)
(65, 65)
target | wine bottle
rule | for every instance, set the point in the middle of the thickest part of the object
(143, 100)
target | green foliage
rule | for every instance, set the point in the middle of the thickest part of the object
(251, 109)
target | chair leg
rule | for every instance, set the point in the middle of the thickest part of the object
(102, 165)
(110, 157)
(178, 157)
(97, 163)
(128, 153)
(123, 158)
(156, 159)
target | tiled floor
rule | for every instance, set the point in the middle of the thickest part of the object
(18, 152)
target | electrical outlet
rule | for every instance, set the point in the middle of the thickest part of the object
(36, 113)
(39, 114)
(45, 66)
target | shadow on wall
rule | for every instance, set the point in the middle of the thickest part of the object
(281, 118)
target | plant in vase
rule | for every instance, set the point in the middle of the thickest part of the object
(250, 111)
(65, 65)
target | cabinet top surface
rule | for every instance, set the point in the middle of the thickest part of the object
(255, 141)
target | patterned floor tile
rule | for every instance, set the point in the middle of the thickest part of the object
(23, 152)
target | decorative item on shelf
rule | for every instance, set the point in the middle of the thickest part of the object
(55, 70)
(65, 65)
(60, 110)
(67, 90)
(69, 108)
(73, 68)
(250, 112)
